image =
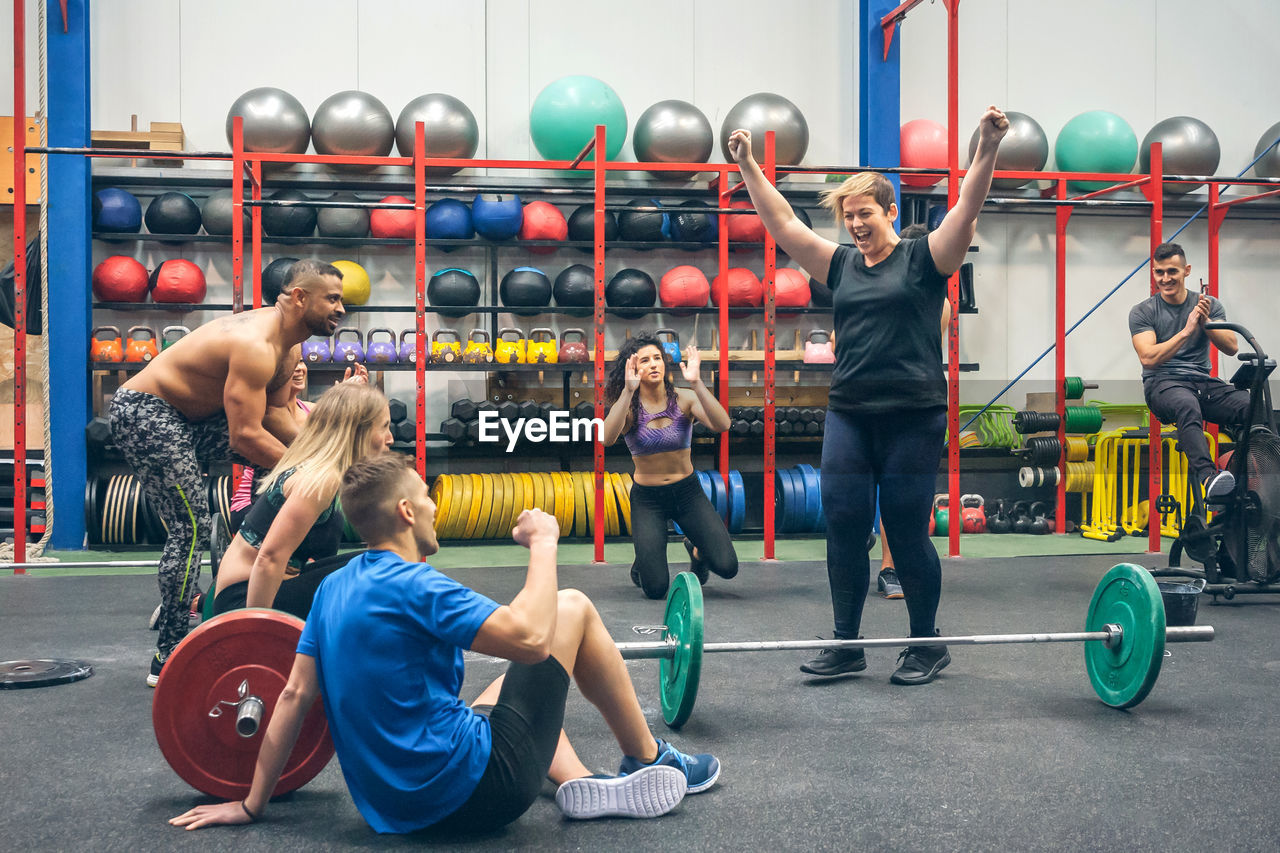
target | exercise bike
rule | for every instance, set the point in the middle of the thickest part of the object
(1240, 548)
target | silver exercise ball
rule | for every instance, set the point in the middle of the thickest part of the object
(342, 221)
(448, 124)
(216, 213)
(1269, 165)
(274, 121)
(673, 132)
(767, 111)
(353, 123)
(1190, 148)
(1025, 148)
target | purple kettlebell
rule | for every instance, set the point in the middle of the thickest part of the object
(408, 346)
(348, 350)
(314, 352)
(380, 352)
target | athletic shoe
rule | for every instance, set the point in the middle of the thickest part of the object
(836, 662)
(1219, 486)
(920, 664)
(697, 566)
(701, 770)
(156, 665)
(649, 792)
(887, 583)
(196, 614)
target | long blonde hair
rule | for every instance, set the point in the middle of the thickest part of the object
(334, 436)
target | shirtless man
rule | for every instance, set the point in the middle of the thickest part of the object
(218, 394)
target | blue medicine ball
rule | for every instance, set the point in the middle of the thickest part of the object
(449, 219)
(116, 211)
(497, 217)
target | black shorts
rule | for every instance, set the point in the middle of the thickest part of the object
(525, 723)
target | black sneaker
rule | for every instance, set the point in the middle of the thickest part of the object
(156, 665)
(836, 662)
(1219, 486)
(920, 664)
(887, 584)
(696, 565)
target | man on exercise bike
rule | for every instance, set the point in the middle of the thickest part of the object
(1173, 346)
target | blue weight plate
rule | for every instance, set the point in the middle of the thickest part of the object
(737, 502)
(786, 501)
(720, 495)
(812, 497)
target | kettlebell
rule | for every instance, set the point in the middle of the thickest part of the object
(672, 346)
(941, 515)
(446, 351)
(573, 351)
(380, 352)
(998, 522)
(170, 335)
(1021, 520)
(106, 349)
(348, 350)
(143, 348)
(478, 350)
(316, 352)
(818, 348)
(1039, 523)
(541, 347)
(509, 348)
(973, 519)
(408, 347)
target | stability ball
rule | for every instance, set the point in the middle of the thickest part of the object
(766, 111)
(673, 132)
(353, 123)
(1096, 141)
(274, 121)
(543, 221)
(744, 289)
(390, 223)
(449, 130)
(564, 116)
(217, 215)
(1190, 147)
(1269, 165)
(342, 221)
(453, 287)
(684, 287)
(449, 219)
(630, 288)
(120, 279)
(355, 283)
(1025, 148)
(173, 213)
(274, 278)
(526, 287)
(117, 211)
(497, 217)
(922, 145)
(575, 287)
(288, 220)
(177, 280)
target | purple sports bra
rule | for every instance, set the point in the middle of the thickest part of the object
(644, 440)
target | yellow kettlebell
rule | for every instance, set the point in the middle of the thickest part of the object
(478, 350)
(446, 351)
(509, 348)
(542, 347)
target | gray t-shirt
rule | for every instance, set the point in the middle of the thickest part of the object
(1153, 314)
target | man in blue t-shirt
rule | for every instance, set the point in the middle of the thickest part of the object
(1173, 346)
(383, 647)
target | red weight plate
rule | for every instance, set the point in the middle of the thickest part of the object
(195, 703)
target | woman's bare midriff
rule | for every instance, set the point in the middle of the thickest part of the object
(662, 469)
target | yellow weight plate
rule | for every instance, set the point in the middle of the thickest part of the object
(463, 495)
(135, 507)
(624, 503)
(495, 507)
(589, 495)
(579, 505)
(610, 504)
(486, 506)
(565, 488)
(440, 497)
(555, 498)
(526, 501)
(517, 504)
(539, 491)
(110, 509)
(473, 505)
(511, 483)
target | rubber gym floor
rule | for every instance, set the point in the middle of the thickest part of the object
(1009, 749)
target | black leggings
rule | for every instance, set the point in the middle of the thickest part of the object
(295, 594)
(685, 503)
(899, 452)
(1188, 402)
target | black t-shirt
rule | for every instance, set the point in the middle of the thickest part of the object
(1153, 314)
(888, 330)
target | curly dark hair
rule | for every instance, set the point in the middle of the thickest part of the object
(617, 378)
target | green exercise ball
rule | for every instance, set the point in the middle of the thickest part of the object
(1096, 141)
(564, 116)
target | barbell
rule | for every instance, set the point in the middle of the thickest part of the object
(1125, 634)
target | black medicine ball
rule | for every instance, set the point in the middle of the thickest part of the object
(217, 215)
(692, 227)
(173, 213)
(576, 287)
(643, 225)
(343, 221)
(582, 225)
(525, 287)
(453, 287)
(819, 293)
(631, 288)
(288, 221)
(274, 278)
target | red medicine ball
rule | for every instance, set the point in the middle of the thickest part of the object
(392, 223)
(745, 290)
(120, 279)
(178, 280)
(684, 287)
(790, 288)
(543, 221)
(744, 228)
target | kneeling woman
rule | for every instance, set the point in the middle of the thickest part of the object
(289, 539)
(656, 419)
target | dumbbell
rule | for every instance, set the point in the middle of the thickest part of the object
(97, 434)
(813, 428)
(405, 431)
(785, 427)
(509, 410)
(398, 409)
(545, 410)
(735, 412)
(740, 426)
(756, 428)
(793, 414)
(464, 410)
(473, 431)
(806, 416)
(585, 409)
(820, 415)
(701, 430)
(454, 429)
(530, 411)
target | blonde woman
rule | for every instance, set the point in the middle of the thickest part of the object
(289, 539)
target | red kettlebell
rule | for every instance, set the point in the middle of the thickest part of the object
(972, 515)
(574, 351)
(106, 349)
(141, 344)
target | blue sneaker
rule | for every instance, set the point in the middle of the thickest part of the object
(702, 770)
(649, 792)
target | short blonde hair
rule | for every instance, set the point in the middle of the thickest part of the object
(871, 184)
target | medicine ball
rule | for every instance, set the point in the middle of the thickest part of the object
(543, 221)
(684, 287)
(341, 221)
(453, 287)
(745, 290)
(274, 278)
(525, 287)
(355, 283)
(631, 288)
(216, 213)
(643, 226)
(288, 221)
(120, 279)
(576, 287)
(692, 227)
(116, 211)
(819, 293)
(177, 280)
(582, 226)
(173, 213)
(449, 219)
(497, 217)
(745, 228)
(394, 222)
(790, 288)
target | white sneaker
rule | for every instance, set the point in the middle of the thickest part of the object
(649, 792)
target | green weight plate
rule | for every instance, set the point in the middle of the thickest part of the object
(678, 677)
(1123, 675)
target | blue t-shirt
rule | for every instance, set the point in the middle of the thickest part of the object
(387, 636)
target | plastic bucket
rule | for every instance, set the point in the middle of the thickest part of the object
(1181, 600)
